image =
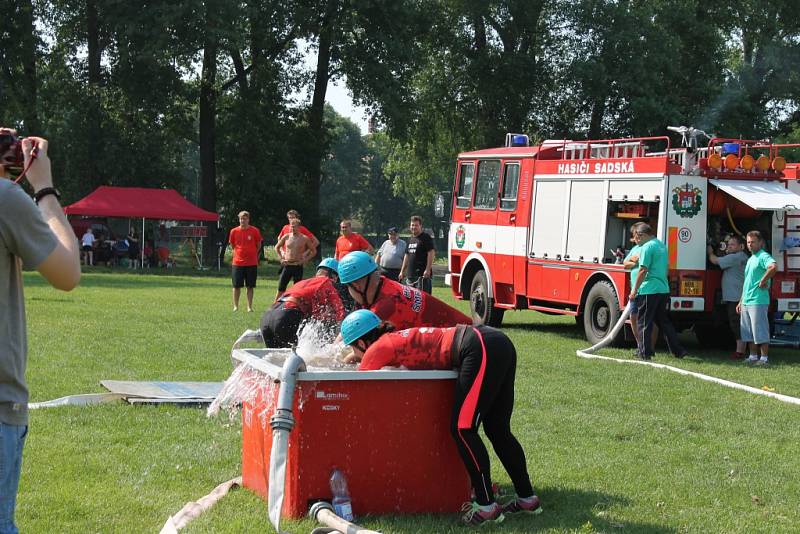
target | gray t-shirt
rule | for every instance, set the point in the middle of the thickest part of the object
(732, 266)
(23, 235)
(392, 254)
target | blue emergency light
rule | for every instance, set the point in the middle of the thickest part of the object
(519, 140)
(730, 148)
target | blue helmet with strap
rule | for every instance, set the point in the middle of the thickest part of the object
(330, 264)
(357, 324)
(356, 265)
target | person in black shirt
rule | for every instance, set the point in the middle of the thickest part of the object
(418, 260)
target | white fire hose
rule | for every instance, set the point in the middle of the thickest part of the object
(323, 512)
(588, 353)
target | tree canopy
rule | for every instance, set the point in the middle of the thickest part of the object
(225, 101)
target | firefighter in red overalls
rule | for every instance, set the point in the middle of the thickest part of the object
(320, 298)
(486, 362)
(392, 301)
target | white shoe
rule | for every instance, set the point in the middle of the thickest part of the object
(751, 359)
(762, 361)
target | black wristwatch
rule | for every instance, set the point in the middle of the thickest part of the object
(41, 193)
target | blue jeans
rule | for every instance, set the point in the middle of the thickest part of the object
(12, 439)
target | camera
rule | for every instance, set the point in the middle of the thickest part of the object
(11, 149)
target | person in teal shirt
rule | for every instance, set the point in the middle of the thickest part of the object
(754, 304)
(650, 293)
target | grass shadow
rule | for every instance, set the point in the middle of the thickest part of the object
(569, 510)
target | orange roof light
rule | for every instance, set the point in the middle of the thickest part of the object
(778, 164)
(747, 162)
(731, 162)
(715, 161)
(762, 163)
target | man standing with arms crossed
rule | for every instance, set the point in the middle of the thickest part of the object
(245, 240)
(754, 305)
(418, 261)
(651, 293)
(732, 264)
(31, 237)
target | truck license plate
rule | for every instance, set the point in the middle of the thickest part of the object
(691, 287)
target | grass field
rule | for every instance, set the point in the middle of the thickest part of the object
(610, 448)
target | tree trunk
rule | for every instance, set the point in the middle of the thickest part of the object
(93, 113)
(316, 124)
(28, 44)
(207, 133)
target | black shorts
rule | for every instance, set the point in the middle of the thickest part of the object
(87, 248)
(289, 272)
(244, 275)
(279, 326)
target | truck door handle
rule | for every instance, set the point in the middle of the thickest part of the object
(467, 214)
(512, 217)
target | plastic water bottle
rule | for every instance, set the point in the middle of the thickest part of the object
(341, 496)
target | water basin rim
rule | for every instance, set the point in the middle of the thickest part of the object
(254, 358)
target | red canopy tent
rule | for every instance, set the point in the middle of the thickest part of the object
(139, 203)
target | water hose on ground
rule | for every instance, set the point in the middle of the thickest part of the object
(323, 512)
(588, 354)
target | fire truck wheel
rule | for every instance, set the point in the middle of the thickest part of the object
(482, 306)
(601, 312)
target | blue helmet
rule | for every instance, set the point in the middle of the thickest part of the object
(330, 264)
(357, 324)
(356, 265)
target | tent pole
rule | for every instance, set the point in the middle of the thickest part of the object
(141, 245)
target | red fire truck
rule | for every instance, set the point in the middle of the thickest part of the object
(544, 227)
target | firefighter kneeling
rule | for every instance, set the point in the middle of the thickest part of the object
(319, 298)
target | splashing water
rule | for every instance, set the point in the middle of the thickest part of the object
(317, 345)
(244, 385)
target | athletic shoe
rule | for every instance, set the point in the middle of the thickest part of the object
(529, 506)
(473, 515)
(751, 359)
(495, 492)
(762, 361)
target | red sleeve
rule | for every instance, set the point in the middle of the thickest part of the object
(230, 236)
(364, 243)
(378, 355)
(258, 234)
(284, 230)
(336, 250)
(306, 232)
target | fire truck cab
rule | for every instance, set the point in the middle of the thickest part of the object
(545, 227)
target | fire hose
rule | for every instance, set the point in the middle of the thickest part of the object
(589, 354)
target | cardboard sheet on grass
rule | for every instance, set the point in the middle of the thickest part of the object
(164, 392)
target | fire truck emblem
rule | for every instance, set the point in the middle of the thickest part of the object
(461, 236)
(686, 200)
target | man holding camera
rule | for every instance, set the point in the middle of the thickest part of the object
(34, 234)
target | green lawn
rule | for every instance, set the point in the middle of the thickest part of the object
(611, 448)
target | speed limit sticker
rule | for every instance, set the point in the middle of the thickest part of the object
(685, 235)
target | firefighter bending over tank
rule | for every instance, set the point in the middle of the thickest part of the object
(486, 362)
(320, 298)
(401, 305)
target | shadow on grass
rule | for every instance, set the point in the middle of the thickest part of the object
(564, 510)
(570, 330)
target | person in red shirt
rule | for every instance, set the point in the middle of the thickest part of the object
(350, 241)
(318, 298)
(486, 362)
(287, 229)
(392, 301)
(245, 240)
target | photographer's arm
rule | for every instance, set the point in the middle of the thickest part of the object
(62, 267)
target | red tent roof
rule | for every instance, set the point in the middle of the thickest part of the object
(139, 203)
